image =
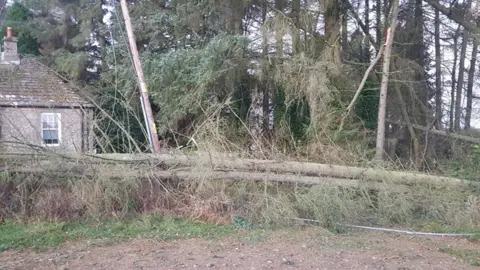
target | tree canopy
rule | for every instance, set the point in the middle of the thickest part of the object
(269, 73)
(17, 18)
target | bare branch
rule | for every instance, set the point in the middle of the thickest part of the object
(442, 133)
(349, 6)
(454, 16)
(360, 87)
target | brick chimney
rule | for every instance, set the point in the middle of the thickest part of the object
(10, 52)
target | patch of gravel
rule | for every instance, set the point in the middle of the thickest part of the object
(311, 248)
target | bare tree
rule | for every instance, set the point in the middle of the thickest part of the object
(333, 24)
(456, 16)
(367, 24)
(382, 108)
(471, 75)
(378, 15)
(454, 79)
(461, 73)
(345, 36)
(296, 8)
(438, 73)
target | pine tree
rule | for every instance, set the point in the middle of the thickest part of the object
(17, 18)
(65, 32)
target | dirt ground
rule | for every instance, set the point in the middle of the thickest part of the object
(305, 248)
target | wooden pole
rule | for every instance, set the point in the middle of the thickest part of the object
(147, 109)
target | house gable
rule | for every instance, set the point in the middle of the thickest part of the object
(38, 108)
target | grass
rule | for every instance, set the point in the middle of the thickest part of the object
(438, 227)
(103, 195)
(470, 256)
(42, 235)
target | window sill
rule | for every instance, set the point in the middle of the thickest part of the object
(50, 145)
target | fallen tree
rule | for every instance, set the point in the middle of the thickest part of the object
(120, 172)
(454, 136)
(215, 166)
(223, 161)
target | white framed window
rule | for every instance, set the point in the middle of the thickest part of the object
(51, 129)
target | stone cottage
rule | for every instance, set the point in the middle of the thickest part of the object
(37, 108)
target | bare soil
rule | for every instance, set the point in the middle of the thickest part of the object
(304, 248)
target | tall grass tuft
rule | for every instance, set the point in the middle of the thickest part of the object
(107, 194)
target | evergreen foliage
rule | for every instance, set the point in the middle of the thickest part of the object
(275, 71)
(67, 32)
(187, 81)
(17, 18)
(367, 105)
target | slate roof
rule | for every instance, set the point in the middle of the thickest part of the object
(33, 84)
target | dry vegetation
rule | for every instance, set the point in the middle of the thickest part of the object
(62, 189)
(220, 183)
(263, 149)
(219, 188)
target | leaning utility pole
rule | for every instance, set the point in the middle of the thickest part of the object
(147, 109)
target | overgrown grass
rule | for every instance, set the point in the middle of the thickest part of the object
(40, 235)
(465, 169)
(100, 192)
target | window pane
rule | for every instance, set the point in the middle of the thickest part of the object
(49, 125)
(54, 123)
(50, 136)
(45, 118)
(49, 121)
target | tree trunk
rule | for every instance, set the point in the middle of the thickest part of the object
(360, 86)
(345, 36)
(332, 18)
(460, 81)
(367, 24)
(269, 94)
(256, 111)
(419, 57)
(378, 15)
(280, 6)
(266, 81)
(456, 16)
(333, 25)
(454, 80)
(471, 78)
(438, 74)
(366, 29)
(296, 7)
(461, 70)
(450, 135)
(386, 10)
(226, 167)
(413, 135)
(235, 14)
(382, 108)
